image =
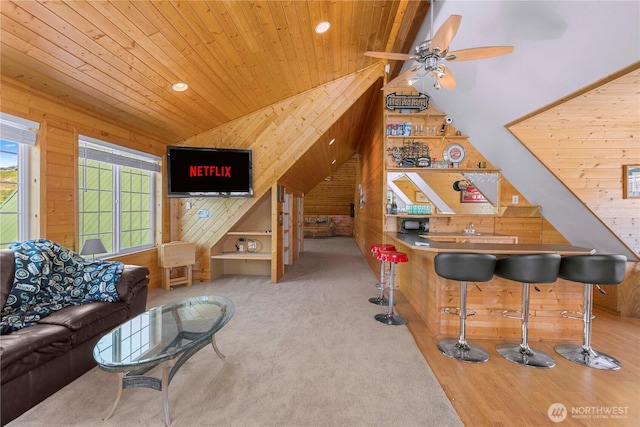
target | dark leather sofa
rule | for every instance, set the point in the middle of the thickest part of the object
(39, 360)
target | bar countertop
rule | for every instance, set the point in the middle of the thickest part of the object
(422, 242)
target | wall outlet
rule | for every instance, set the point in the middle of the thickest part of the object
(515, 200)
(240, 248)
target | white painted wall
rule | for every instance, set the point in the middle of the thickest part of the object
(560, 47)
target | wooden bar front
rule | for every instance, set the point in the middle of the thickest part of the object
(429, 294)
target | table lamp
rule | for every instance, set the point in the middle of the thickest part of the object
(93, 247)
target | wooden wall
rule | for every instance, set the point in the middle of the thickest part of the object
(278, 136)
(55, 216)
(368, 224)
(585, 139)
(334, 198)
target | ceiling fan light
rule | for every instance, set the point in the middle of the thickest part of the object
(323, 27)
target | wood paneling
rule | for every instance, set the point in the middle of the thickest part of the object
(149, 259)
(333, 196)
(585, 139)
(429, 294)
(55, 183)
(278, 136)
(368, 221)
(119, 59)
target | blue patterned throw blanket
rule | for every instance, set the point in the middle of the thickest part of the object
(50, 277)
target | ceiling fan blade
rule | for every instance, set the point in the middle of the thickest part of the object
(446, 33)
(402, 77)
(390, 55)
(479, 53)
(447, 80)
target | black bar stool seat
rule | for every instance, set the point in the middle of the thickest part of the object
(464, 267)
(527, 269)
(590, 270)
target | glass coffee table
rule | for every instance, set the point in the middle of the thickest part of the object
(167, 335)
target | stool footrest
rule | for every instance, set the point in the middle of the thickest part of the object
(574, 315)
(508, 315)
(456, 311)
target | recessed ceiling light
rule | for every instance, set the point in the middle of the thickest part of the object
(332, 141)
(180, 87)
(323, 27)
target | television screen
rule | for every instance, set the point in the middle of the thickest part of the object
(209, 172)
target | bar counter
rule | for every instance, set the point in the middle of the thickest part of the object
(429, 294)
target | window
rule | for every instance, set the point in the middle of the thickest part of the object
(116, 198)
(16, 136)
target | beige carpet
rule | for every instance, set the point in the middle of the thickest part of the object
(304, 352)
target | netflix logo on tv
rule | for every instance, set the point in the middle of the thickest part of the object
(208, 172)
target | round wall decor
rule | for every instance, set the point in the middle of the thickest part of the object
(454, 153)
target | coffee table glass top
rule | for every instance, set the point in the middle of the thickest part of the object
(164, 332)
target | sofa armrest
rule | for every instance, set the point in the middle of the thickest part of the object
(133, 278)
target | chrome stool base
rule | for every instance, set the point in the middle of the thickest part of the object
(465, 352)
(588, 357)
(390, 319)
(526, 356)
(379, 301)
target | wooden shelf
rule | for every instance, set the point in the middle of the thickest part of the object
(520, 211)
(249, 233)
(442, 170)
(416, 113)
(263, 256)
(438, 137)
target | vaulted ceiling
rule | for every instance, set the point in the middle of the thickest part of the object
(119, 59)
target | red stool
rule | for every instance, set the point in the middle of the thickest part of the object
(392, 257)
(381, 299)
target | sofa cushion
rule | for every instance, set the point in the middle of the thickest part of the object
(24, 349)
(132, 279)
(89, 320)
(7, 272)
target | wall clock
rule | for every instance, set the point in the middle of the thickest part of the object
(454, 153)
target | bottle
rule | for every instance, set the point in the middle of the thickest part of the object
(394, 208)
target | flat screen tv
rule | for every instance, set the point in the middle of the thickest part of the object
(209, 172)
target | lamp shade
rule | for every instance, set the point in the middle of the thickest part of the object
(92, 247)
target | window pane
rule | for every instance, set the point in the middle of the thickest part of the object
(107, 182)
(9, 196)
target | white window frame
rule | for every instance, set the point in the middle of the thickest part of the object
(119, 157)
(22, 132)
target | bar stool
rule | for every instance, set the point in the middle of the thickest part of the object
(590, 270)
(393, 258)
(472, 267)
(380, 299)
(528, 269)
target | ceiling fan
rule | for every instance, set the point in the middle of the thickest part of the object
(432, 54)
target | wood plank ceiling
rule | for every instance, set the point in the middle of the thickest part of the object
(118, 59)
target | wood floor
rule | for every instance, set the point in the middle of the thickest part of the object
(502, 393)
